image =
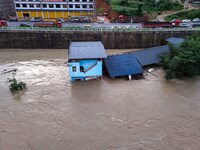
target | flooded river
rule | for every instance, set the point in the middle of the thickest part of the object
(108, 114)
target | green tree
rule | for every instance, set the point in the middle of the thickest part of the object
(183, 60)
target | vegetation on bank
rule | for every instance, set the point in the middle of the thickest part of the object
(184, 60)
(139, 7)
(190, 14)
(15, 85)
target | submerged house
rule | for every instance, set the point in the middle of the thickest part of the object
(123, 65)
(151, 55)
(85, 60)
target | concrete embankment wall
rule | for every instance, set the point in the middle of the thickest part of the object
(111, 40)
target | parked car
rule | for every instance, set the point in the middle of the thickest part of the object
(196, 20)
(60, 20)
(13, 19)
(196, 25)
(185, 25)
(36, 19)
(24, 25)
(87, 19)
(186, 20)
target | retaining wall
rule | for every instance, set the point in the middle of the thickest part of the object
(61, 40)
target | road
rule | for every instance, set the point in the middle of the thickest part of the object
(106, 25)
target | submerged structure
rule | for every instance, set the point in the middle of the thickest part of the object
(175, 41)
(85, 60)
(123, 65)
(150, 56)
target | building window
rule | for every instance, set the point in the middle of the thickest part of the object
(50, 5)
(31, 5)
(91, 6)
(70, 6)
(44, 5)
(84, 6)
(17, 5)
(37, 5)
(77, 6)
(57, 5)
(77, 1)
(24, 5)
(64, 5)
(81, 69)
(84, 0)
(73, 68)
(90, 0)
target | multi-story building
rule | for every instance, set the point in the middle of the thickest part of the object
(54, 8)
(7, 8)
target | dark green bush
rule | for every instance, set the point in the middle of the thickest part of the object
(15, 85)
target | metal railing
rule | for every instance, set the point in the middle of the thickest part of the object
(99, 29)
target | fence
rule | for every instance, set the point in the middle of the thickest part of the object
(99, 29)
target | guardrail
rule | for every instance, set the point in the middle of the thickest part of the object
(101, 29)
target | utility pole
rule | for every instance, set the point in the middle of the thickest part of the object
(41, 9)
(185, 3)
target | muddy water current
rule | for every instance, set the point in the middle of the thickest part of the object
(108, 114)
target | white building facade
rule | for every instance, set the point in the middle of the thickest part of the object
(54, 8)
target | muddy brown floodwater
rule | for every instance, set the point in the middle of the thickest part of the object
(108, 114)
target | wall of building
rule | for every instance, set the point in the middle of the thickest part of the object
(7, 8)
(54, 8)
(61, 40)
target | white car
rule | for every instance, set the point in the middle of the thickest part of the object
(185, 25)
(101, 21)
(196, 20)
(186, 20)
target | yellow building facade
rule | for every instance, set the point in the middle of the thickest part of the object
(53, 8)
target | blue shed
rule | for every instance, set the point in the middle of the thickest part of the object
(122, 65)
(85, 60)
(175, 41)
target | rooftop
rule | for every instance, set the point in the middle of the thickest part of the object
(87, 50)
(150, 55)
(122, 65)
(175, 41)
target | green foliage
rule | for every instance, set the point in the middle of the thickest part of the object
(15, 85)
(137, 7)
(190, 14)
(183, 60)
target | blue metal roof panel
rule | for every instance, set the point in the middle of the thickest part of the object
(123, 64)
(175, 41)
(151, 55)
(86, 50)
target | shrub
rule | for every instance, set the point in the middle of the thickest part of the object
(15, 85)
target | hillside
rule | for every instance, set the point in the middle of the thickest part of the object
(136, 7)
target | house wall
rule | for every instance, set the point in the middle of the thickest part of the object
(95, 71)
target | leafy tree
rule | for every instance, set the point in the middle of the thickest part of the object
(183, 60)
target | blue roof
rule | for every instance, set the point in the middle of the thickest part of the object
(150, 55)
(123, 64)
(86, 50)
(175, 41)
